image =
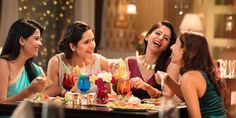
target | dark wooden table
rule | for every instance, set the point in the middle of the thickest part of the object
(90, 112)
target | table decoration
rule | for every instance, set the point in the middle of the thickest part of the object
(102, 80)
(122, 83)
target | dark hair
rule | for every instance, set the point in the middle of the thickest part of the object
(196, 56)
(73, 35)
(11, 49)
(164, 57)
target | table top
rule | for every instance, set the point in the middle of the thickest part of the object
(90, 111)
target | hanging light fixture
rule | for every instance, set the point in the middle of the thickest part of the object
(181, 5)
(131, 8)
(229, 23)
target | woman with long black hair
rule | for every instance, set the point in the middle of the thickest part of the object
(17, 70)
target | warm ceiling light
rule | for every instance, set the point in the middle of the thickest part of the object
(131, 8)
(181, 5)
(191, 22)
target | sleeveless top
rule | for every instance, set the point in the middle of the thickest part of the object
(22, 82)
(91, 68)
(135, 72)
(211, 104)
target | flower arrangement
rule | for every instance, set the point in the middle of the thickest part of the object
(100, 79)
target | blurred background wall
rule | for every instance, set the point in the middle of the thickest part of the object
(117, 31)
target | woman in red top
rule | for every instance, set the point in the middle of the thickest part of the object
(156, 56)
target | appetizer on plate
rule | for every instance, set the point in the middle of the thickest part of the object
(130, 104)
(58, 100)
(155, 101)
(114, 97)
(38, 98)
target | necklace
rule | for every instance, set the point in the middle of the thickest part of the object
(146, 65)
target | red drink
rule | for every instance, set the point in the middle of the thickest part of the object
(68, 81)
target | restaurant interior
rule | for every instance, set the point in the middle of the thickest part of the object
(117, 30)
(120, 25)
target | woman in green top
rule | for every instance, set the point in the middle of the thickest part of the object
(199, 87)
(17, 71)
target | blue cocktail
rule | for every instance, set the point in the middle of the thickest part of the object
(83, 83)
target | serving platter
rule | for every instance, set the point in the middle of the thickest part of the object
(121, 106)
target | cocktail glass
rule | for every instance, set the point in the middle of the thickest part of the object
(68, 81)
(83, 83)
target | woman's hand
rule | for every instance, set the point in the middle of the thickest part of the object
(44, 77)
(160, 76)
(114, 66)
(38, 84)
(138, 83)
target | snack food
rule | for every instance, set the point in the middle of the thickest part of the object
(130, 104)
(155, 101)
(38, 98)
(127, 103)
(58, 100)
(68, 97)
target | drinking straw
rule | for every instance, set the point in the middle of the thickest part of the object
(137, 54)
(84, 68)
(64, 65)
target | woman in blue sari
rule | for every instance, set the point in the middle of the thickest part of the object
(17, 70)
